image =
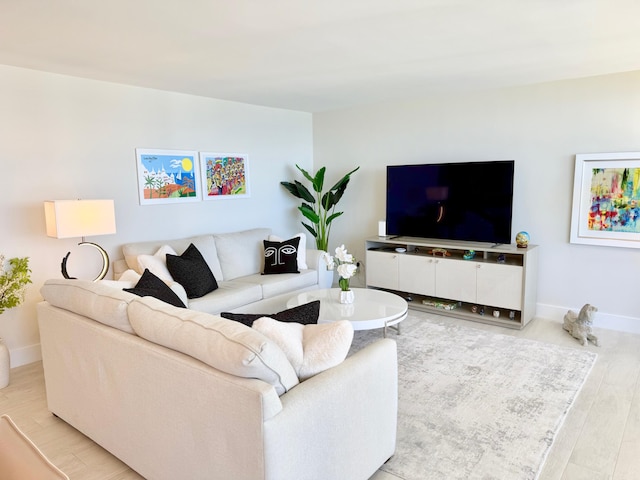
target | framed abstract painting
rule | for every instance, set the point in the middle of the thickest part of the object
(224, 175)
(606, 200)
(167, 176)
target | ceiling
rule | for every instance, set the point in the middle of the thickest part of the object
(325, 54)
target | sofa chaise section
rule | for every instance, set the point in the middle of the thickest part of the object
(169, 415)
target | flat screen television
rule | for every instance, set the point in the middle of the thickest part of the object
(469, 201)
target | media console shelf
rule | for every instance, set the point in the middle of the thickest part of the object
(496, 286)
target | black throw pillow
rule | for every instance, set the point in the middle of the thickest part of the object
(281, 257)
(305, 314)
(151, 286)
(192, 272)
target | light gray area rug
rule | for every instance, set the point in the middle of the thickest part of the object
(475, 404)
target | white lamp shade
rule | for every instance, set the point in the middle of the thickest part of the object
(79, 218)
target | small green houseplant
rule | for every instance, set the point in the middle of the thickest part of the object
(13, 282)
(319, 207)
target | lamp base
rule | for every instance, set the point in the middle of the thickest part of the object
(105, 262)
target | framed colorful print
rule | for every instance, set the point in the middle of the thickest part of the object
(606, 200)
(167, 176)
(224, 175)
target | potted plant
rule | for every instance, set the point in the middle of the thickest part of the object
(13, 283)
(319, 207)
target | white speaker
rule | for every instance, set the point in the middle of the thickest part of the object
(382, 228)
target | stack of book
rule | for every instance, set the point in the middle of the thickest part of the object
(441, 303)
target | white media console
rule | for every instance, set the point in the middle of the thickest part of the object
(497, 286)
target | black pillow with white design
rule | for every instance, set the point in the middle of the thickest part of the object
(281, 257)
(192, 272)
(151, 286)
(302, 248)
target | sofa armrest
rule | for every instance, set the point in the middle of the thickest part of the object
(354, 405)
(316, 262)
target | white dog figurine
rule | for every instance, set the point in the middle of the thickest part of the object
(579, 324)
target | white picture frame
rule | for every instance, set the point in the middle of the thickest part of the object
(606, 200)
(167, 176)
(224, 176)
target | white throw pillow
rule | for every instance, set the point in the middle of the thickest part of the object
(312, 348)
(130, 276)
(302, 248)
(157, 263)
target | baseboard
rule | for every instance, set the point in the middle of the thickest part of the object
(601, 319)
(25, 355)
(32, 353)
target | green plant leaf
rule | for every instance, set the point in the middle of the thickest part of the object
(309, 213)
(305, 173)
(344, 179)
(311, 229)
(291, 187)
(328, 200)
(318, 180)
(298, 190)
(332, 216)
(304, 193)
(337, 195)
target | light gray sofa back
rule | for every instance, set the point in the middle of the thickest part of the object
(229, 255)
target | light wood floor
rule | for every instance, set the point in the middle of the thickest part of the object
(600, 438)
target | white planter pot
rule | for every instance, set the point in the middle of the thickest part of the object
(346, 296)
(5, 364)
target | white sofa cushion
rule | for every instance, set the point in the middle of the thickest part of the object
(228, 296)
(100, 302)
(311, 348)
(273, 285)
(223, 344)
(241, 253)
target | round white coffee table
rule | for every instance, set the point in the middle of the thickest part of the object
(370, 308)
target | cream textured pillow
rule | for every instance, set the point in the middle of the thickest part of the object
(157, 263)
(312, 348)
(223, 344)
(100, 301)
(302, 248)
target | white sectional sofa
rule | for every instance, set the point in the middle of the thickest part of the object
(178, 393)
(236, 261)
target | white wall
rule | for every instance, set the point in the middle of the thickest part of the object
(541, 127)
(63, 138)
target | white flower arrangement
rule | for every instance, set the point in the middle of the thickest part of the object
(344, 264)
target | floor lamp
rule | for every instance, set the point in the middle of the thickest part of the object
(81, 218)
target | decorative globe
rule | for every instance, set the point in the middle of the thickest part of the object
(522, 239)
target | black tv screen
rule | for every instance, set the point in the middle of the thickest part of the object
(469, 201)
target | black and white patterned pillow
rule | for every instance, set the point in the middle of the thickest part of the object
(281, 257)
(192, 272)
